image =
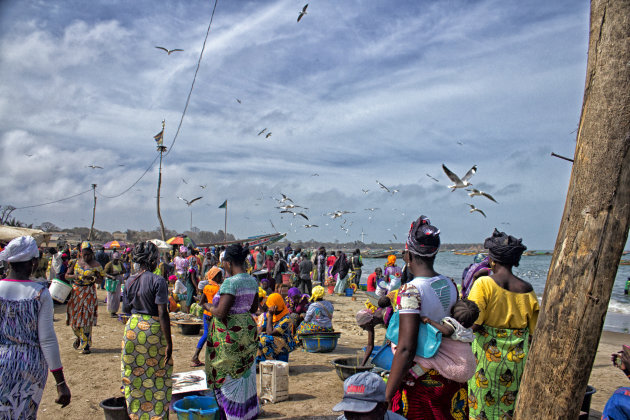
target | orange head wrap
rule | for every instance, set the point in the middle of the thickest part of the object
(391, 260)
(275, 299)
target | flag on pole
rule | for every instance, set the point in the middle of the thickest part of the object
(159, 137)
(224, 205)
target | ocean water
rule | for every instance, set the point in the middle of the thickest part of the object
(533, 269)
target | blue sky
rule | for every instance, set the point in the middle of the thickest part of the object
(357, 91)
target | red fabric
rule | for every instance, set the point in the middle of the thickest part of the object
(371, 283)
(330, 261)
(432, 397)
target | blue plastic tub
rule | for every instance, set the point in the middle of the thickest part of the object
(383, 358)
(197, 408)
(349, 292)
(374, 350)
(320, 342)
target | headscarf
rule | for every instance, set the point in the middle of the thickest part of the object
(275, 299)
(145, 253)
(212, 273)
(294, 291)
(183, 249)
(478, 258)
(391, 260)
(20, 249)
(504, 248)
(262, 295)
(317, 293)
(85, 245)
(423, 238)
(364, 317)
(269, 252)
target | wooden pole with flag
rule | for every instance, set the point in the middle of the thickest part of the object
(224, 206)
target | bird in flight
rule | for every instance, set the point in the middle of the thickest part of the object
(310, 226)
(291, 206)
(238, 100)
(268, 135)
(168, 51)
(459, 183)
(302, 13)
(203, 187)
(189, 203)
(28, 155)
(460, 143)
(94, 167)
(395, 237)
(365, 191)
(372, 209)
(473, 192)
(295, 213)
(184, 181)
(395, 191)
(262, 131)
(435, 179)
(338, 213)
(284, 199)
(383, 186)
(315, 175)
(345, 229)
(475, 209)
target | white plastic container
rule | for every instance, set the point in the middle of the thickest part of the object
(273, 381)
(59, 290)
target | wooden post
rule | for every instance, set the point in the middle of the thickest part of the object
(593, 231)
(93, 213)
(161, 149)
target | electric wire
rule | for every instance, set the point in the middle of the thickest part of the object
(134, 184)
(192, 86)
(55, 201)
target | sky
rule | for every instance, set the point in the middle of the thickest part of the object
(357, 91)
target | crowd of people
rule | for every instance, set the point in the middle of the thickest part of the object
(458, 352)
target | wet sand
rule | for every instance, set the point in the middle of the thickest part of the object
(314, 386)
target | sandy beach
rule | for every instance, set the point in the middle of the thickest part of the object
(314, 385)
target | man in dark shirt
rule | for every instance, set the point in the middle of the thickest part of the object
(306, 266)
(102, 258)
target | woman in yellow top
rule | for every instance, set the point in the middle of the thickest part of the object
(215, 278)
(83, 306)
(508, 314)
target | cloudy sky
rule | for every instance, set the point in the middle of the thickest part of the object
(357, 91)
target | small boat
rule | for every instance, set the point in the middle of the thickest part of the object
(252, 240)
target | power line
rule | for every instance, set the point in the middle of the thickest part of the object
(134, 184)
(53, 202)
(192, 86)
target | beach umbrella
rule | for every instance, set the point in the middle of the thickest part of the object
(160, 244)
(114, 245)
(182, 240)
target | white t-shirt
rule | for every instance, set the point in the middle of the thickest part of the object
(179, 287)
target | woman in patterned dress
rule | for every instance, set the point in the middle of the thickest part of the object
(276, 334)
(28, 344)
(431, 295)
(232, 345)
(147, 363)
(83, 305)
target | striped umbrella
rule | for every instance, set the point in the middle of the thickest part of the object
(114, 245)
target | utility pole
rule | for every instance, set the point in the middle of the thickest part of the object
(161, 148)
(93, 213)
(593, 229)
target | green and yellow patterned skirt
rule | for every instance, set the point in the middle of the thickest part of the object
(145, 376)
(500, 355)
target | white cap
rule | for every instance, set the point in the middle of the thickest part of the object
(20, 249)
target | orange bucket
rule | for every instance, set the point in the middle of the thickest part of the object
(331, 290)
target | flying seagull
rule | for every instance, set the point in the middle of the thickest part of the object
(460, 143)
(94, 167)
(310, 226)
(262, 131)
(168, 51)
(436, 180)
(473, 209)
(238, 100)
(295, 213)
(291, 206)
(27, 155)
(184, 181)
(372, 209)
(203, 187)
(383, 186)
(338, 213)
(473, 192)
(315, 175)
(189, 203)
(303, 12)
(365, 191)
(459, 183)
(268, 135)
(395, 191)
(284, 199)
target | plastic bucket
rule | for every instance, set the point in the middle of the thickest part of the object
(115, 408)
(59, 290)
(383, 358)
(331, 290)
(111, 285)
(286, 278)
(196, 408)
(349, 292)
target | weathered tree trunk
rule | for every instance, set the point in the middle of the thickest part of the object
(593, 231)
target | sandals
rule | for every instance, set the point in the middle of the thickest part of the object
(197, 364)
